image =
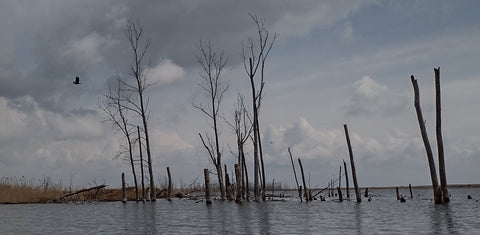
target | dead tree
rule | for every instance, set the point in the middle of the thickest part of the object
(169, 187)
(114, 107)
(242, 128)
(124, 192)
(208, 200)
(441, 159)
(295, 174)
(305, 189)
(431, 162)
(346, 179)
(258, 51)
(212, 64)
(141, 162)
(238, 179)
(135, 88)
(352, 163)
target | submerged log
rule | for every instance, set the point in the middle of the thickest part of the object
(207, 187)
(352, 163)
(426, 142)
(84, 190)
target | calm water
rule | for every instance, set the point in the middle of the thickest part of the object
(383, 215)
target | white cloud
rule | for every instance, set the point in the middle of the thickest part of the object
(166, 72)
(87, 50)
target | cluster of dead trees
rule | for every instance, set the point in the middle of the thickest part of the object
(245, 125)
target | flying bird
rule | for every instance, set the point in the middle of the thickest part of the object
(77, 80)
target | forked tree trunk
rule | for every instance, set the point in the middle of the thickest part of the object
(421, 122)
(441, 159)
(352, 163)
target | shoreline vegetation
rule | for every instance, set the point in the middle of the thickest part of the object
(15, 191)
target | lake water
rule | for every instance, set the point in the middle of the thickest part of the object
(383, 215)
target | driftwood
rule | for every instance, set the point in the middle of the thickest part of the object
(352, 163)
(84, 190)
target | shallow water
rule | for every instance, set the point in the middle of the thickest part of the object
(383, 215)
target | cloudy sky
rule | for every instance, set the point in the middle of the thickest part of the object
(334, 62)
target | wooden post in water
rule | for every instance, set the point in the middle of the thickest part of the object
(124, 192)
(352, 163)
(295, 174)
(410, 188)
(426, 142)
(238, 178)
(305, 190)
(207, 187)
(346, 179)
(441, 159)
(169, 189)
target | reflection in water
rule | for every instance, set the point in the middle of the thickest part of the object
(384, 215)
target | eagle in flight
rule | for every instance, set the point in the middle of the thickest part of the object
(77, 80)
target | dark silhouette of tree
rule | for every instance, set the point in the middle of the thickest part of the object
(212, 64)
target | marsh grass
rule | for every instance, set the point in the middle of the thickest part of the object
(22, 190)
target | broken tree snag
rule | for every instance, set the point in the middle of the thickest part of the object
(346, 179)
(441, 159)
(366, 192)
(238, 178)
(340, 196)
(295, 174)
(352, 163)
(398, 193)
(124, 192)
(426, 142)
(169, 189)
(410, 188)
(304, 183)
(228, 187)
(207, 187)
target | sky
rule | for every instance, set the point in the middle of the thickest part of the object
(333, 63)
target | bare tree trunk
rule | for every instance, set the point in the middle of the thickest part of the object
(352, 163)
(411, 193)
(398, 193)
(124, 192)
(247, 185)
(227, 185)
(169, 189)
(305, 190)
(295, 174)
(141, 162)
(340, 196)
(208, 200)
(426, 142)
(441, 159)
(346, 179)
(238, 179)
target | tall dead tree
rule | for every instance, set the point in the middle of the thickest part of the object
(441, 159)
(134, 88)
(141, 162)
(352, 163)
(212, 64)
(257, 50)
(114, 106)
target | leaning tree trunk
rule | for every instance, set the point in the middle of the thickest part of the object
(305, 190)
(352, 163)
(426, 142)
(441, 159)
(346, 179)
(295, 174)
